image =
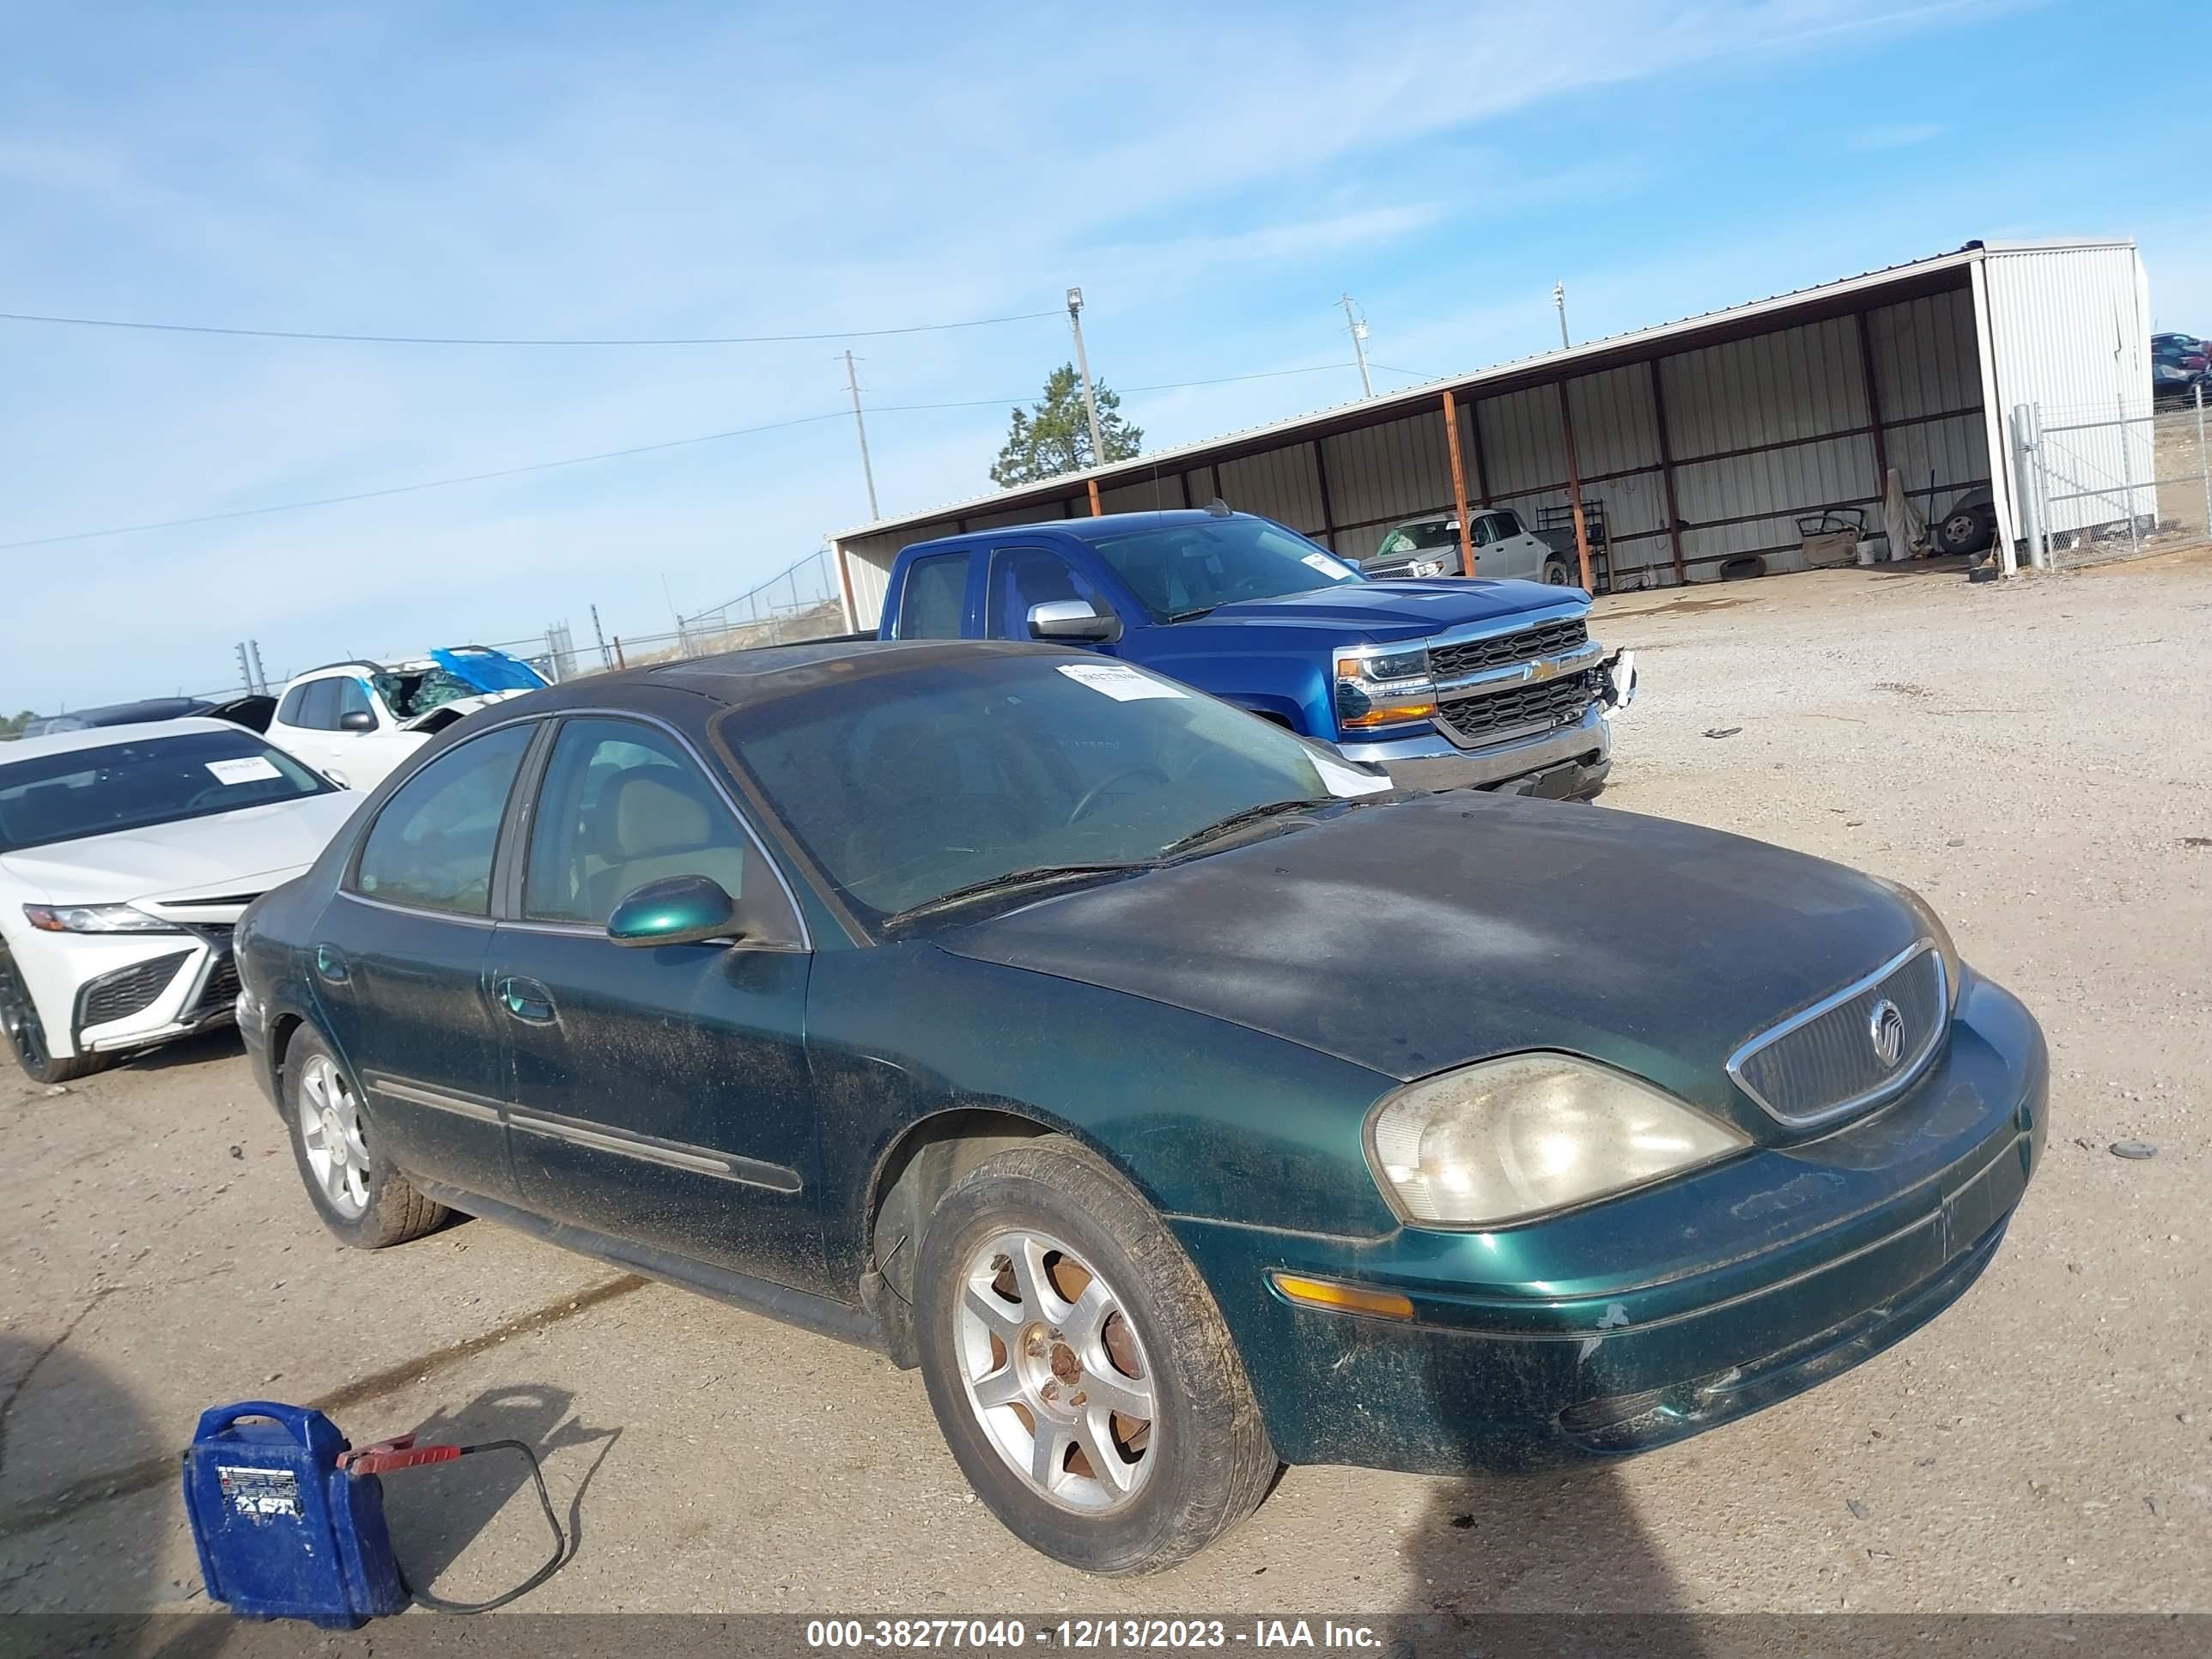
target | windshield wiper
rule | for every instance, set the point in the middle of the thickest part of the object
(1191, 614)
(1237, 821)
(1036, 876)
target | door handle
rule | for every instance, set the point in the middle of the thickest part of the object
(526, 998)
(332, 965)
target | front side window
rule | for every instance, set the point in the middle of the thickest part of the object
(1024, 576)
(905, 784)
(432, 845)
(353, 699)
(319, 709)
(288, 711)
(935, 602)
(623, 803)
(130, 786)
(1184, 570)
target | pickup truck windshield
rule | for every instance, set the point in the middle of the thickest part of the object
(128, 786)
(905, 786)
(1185, 570)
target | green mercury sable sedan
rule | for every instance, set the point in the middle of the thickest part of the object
(1182, 1100)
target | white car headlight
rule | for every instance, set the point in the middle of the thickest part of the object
(95, 918)
(1507, 1139)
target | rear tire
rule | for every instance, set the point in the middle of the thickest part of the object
(26, 1033)
(1102, 1303)
(1557, 575)
(361, 1198)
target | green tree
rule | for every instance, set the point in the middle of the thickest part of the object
(13, 728)
(1053, 436)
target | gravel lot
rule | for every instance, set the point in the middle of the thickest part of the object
(2033, 759)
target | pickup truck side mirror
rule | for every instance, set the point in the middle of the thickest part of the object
(1073, 620)
(357, 720)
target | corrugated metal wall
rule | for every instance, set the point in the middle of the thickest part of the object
(2072, 331)
(1760, 431)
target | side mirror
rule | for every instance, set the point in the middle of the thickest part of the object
(357, 720)
(1073, 619)
(675, 910)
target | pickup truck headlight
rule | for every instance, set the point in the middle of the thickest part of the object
(1507, 1140)
(95, 918)
(1379, 687)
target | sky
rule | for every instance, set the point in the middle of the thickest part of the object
(1214, 178)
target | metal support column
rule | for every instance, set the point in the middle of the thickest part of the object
(1666, 472)
(1574, 487)
(1459, 486)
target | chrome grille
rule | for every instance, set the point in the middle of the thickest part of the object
(1548, 702)
(127, 991)
(1450, 662)
(1823, 1064)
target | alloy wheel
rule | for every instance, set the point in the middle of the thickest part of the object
(1056, 1372)
(330, 1135)
(19, 1015)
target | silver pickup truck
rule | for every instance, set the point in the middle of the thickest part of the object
(1504, 548)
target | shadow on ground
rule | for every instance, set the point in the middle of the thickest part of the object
(437, 1513)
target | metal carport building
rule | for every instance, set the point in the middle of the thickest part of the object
(1697, 441)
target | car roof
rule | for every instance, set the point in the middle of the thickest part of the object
(100, 737)
(770, 671)
(1093, 529)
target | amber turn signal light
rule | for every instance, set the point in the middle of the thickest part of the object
(1343, 1298)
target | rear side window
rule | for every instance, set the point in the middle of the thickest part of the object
(936, 598)
(319, 709)
(288, 712)
(432, 845)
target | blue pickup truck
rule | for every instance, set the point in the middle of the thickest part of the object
(1445, 684)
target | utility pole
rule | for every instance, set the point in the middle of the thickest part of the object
(606, 657)
(868, 472)
(1083, 368)
(244, 669)
(1358, 346)
(260, 674)
(1559, 298)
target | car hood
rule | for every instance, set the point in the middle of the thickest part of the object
(1390, 608)
(228, 853)
(1412, 936)
(438, 719)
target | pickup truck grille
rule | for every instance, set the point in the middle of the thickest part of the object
(1477, 718)
(1451, 662)
(1473, 655)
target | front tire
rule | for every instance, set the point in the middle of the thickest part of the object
(1079, 1367)
(26, 1033)
(361, 1198)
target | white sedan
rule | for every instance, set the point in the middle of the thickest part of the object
(126, 855)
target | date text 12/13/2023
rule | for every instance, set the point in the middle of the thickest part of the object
(989, 1634)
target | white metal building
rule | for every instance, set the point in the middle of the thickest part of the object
(1698, 442)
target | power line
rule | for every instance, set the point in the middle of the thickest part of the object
(584, 460)
(469, 340)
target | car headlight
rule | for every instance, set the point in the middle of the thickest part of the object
(1382, 687)
(1505, 1141)
(95, 918)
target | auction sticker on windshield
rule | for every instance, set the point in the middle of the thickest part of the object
(247, 768)
(1327, 566)
(1120, 683)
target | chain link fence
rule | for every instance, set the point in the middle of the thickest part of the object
(2115, 480)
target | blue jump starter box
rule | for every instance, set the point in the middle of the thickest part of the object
(282, 1530)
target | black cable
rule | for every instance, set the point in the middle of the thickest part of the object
(468, 340)
(560, 1543)
(583, 460)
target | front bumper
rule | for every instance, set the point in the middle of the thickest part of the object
(1435, 762)
(66, 971)
(1639, 1320)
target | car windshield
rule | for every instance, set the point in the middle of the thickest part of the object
(904, 787)
(77, 792)
(1181, 570)
(407, 692)
(1430, 532)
